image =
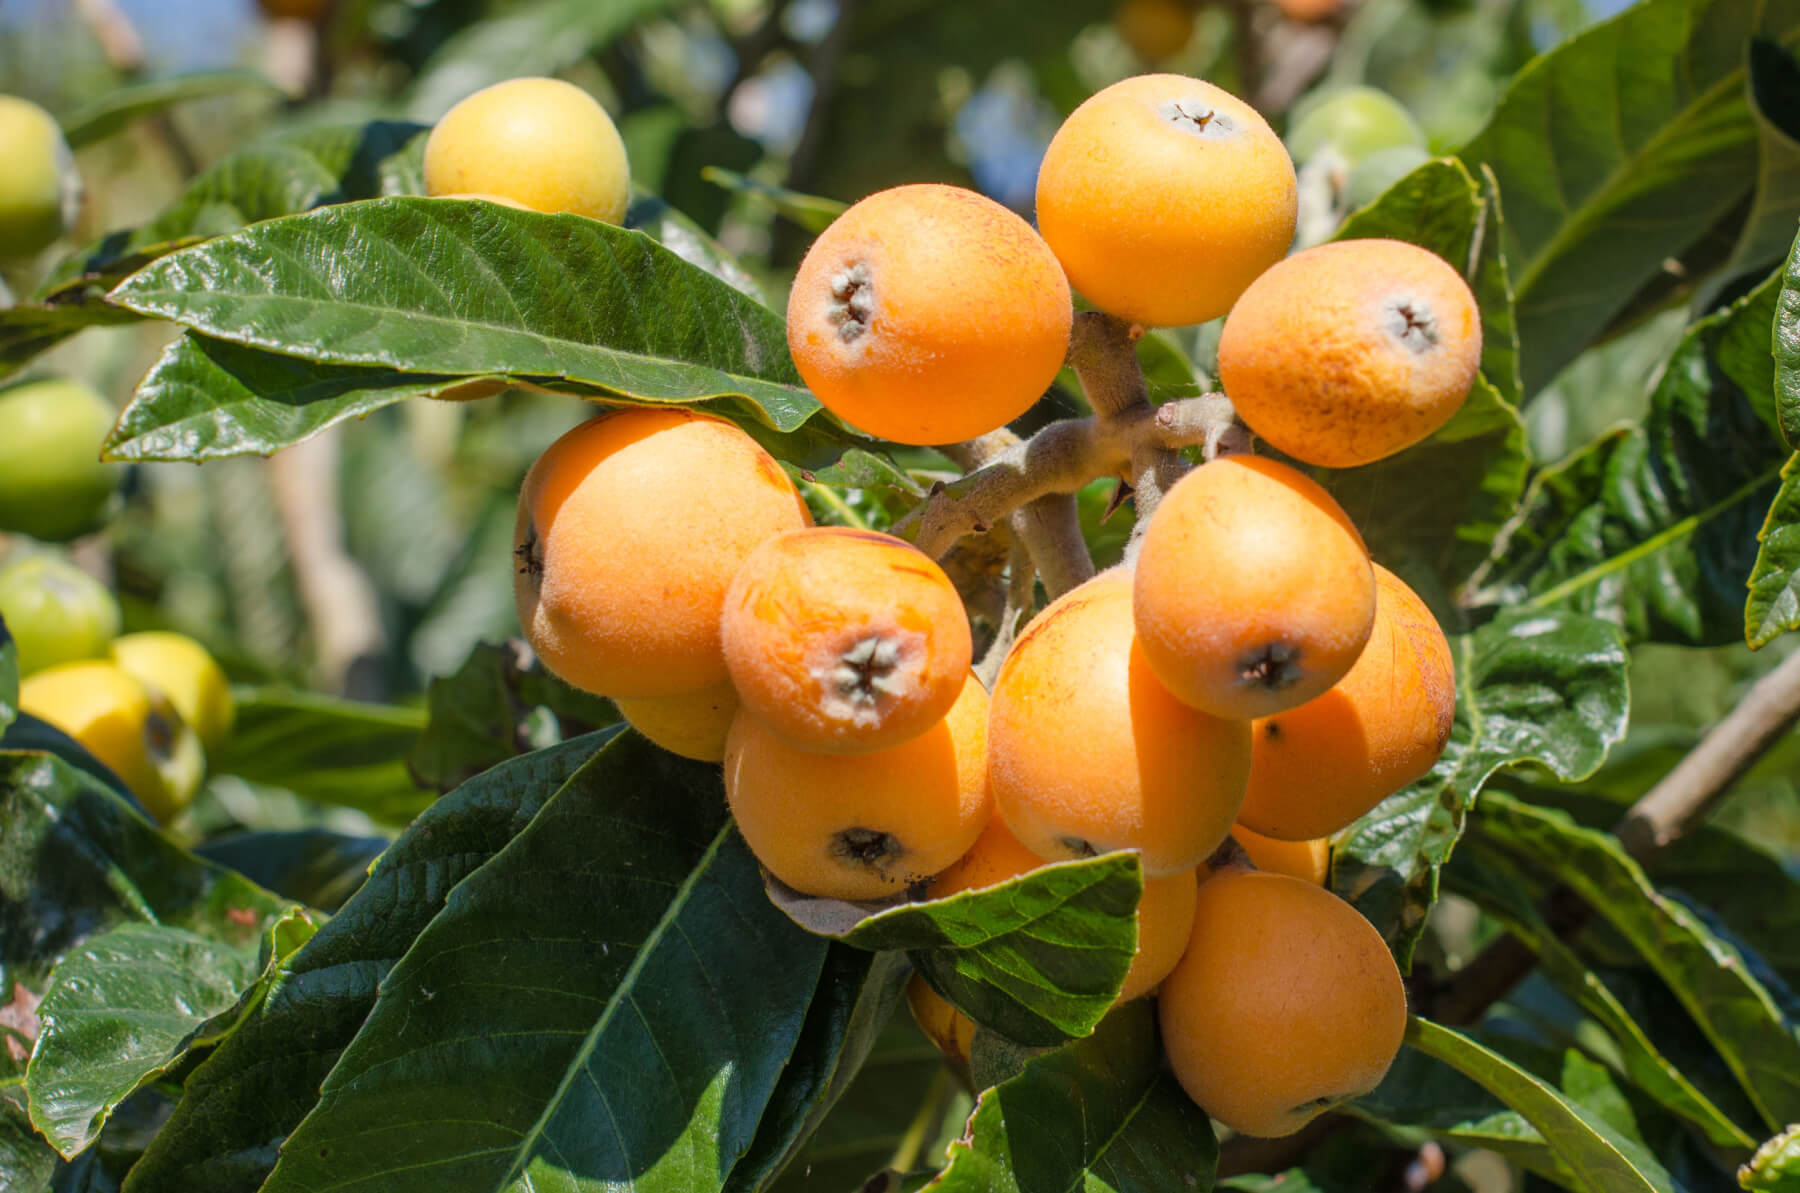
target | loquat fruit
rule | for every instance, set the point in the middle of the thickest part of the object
(1088, 752)
(929, 314)
(843, 640)
(1285, 1004)
(623, 561)
(690, 724)
(952, 1031)
(1254, 591)
(1316, 768)
(1351, 351)
(542, 143)
(181, 669)
(1164, 197)
(862, 826)
(1309, 861)
(40, 191)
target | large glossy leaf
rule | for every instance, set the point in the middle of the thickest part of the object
(1595, 1152)
(1654, 527)
(1786, 344)
(654, 217)
(539, 38)
(441, 286)
(1619, 147)
(130, 1003)
(610, 1000)
(244, 1099)
(1038, 958)
(1095, 1115)
(107, 114)
(1545, 687)
(1774, 604)
(501, 703)
(75, 858)
(1742, 1017)
(322, 748)
(1494, 882)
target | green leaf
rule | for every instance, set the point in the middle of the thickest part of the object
(1038, 958)
(127, 1006)
(1776, 1165)
(102, 117)
(611, 999)
(1768, 231)
(1742, 1017)
(1094, 1114)
(656, 218)
(205, 399)
(1774, 604)
(1545, 687)
(500, 704)
(1599, 1157)
(245, 1098)
(1654, 526)
(75, 859)
(27, 1163)
(541, 38)
(28, 329)
(321, 748)
(1625, 143)
(444, 286)
(811, 212)
(314, 866)
(1497, 886)
(1786, 345)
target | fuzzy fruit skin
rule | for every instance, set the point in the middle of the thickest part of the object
(1165, 912)
(1309, 861)
(691, 724)
(1316, 768)
(1088, 752)
(1254, 591)
(957, 321)
(952, 1031)
(1156, 218)
(543, 143)
(1351, 351)
(55, 612)
(37, 187)
(52, 483)
(928, 795)
(1154, 29)
(807, 601)
(1286, 1003)
(623, 560)
(136, 733)
(182, 670)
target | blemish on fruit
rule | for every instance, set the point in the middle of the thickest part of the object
(1274, 667)
(853, 302)
(866, 847)
(529, 554)
(1078, 847)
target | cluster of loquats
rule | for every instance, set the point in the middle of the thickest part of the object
(1250, 674)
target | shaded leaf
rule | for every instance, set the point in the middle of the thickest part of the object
(1598, 1156)
(1767, 232)
(321, 748)
(501, 703)
(453, 287)
(1038, 958)
(1742, 1017)
(102, 117)
(129, 1004)
(1546, 687)
(314, 866)
(1786, 345)
(525, 1042)
(1625, 143)
(28, 329)
(1654, 526)
(27, 1163)
(812, 212)
(244, 1099)
(1094, 1114)
(1774, 604)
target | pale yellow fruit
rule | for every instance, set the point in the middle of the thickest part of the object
(39, 189)
(542, 143)
(181, 669)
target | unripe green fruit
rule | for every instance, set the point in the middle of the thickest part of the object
(1357, 122)
(55, 612)
(39, 190)
(53, 485)
(542, 143)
